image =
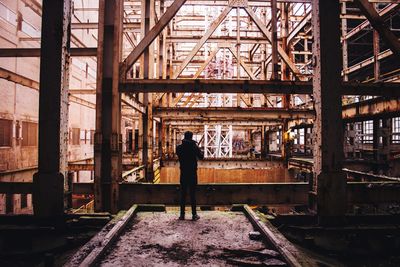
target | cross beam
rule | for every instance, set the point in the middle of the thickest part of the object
(151, 35)
(251, 86)
(232, 113)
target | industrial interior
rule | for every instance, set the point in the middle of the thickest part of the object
(294, 103)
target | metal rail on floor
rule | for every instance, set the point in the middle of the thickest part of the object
(93, 251)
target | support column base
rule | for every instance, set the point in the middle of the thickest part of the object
(48, 195)
(331, 194)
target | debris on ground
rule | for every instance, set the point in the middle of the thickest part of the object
(219, 238)
(255, 235)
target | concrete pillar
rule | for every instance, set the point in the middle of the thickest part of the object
(328, 126)
(50, 182)
(108, 145)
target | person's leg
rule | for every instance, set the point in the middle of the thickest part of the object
(193, 198)
(183, 200)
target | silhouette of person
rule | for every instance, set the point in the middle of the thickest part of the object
(188, 153)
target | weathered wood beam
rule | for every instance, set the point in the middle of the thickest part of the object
(151, 35)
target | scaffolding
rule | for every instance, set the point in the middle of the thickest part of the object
(218, 141)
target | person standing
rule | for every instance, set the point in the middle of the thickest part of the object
(188, 153)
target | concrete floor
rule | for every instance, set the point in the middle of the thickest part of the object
(160, 239)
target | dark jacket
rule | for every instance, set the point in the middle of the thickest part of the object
(188, 153)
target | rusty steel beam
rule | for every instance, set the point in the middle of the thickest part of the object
(285, 57)
(366, 62)
(378, 24)
(18, 79)
(206, 62)
(389, 9)
(330, 181)
(274, 40)
(252, 194)
(50, 182)
(149, 38)
(372, 108)
(215, 86)
(107, 152)
(232, 113)
(16, 188)
(35, 52)
(202, 41)
(246, 68)
(251, 86)
(228, 194)
(216, 194)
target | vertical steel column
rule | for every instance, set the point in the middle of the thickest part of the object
(376, 45)
(274, 39)
(238, 41)
(328, 127)
(160, 131)
(108, 156)
(284, 33)
(149, 23)
(50, 182)
(344, 42)
(263, 141)
(375, 142)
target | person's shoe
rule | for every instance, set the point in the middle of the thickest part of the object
(182, 217)
(195, 217)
